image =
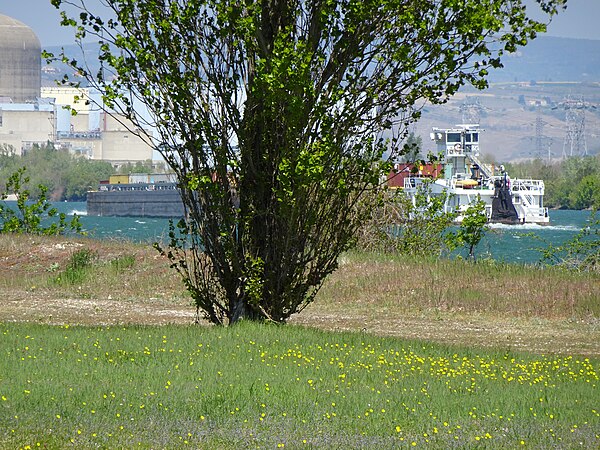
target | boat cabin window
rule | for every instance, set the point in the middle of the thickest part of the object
(472, 137)
(453, 137)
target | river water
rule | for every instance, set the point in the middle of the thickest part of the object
(509, 243)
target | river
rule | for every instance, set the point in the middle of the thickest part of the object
(509, 243)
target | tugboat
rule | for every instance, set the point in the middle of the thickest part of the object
(466, 178)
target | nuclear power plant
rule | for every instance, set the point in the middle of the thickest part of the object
(32, 114)
(20, 61)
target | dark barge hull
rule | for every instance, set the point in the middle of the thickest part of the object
(135, 203)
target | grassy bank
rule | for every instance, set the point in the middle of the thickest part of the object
(260, 386)
(435, 354)
(453, 302)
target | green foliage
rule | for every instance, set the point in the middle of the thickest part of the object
(38, 217)
(138, 167)
(413, 148)
(425, 230)
(83, 175)
(78, 267)
(581, 252)
(403, 226)
(122, 263)
(275, 117)
(473, 226)
(67, 177)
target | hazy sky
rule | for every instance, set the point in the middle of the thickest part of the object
(580, 20)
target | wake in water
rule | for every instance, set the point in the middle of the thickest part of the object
(533, 227)
(77, 212)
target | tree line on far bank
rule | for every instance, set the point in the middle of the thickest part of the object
(67, 177)
(571, 183)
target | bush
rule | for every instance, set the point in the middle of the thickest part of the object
(29, 216)
(78, 267)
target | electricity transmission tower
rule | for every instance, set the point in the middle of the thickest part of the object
(471, 110)
(575, 143)
(542, 142)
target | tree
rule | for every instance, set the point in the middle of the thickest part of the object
(83, 175)
(400, 224)
(412, 148)
(580, 253)
(138, 167)
(66, 177)
(473, 226)
(273, 115)
(585, 193)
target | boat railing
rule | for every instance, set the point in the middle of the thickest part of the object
(487, 169)
(414, 182)
(138, 187)
(528, 185)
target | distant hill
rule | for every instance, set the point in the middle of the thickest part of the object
(552, 59)
(57, 70)
(527, 91)
(544, 59)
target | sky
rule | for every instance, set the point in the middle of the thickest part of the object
(579, 21)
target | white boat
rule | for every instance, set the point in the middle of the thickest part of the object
(465, 178)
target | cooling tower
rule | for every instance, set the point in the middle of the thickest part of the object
(20, 61)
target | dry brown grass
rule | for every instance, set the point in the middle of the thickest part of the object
(451, 302)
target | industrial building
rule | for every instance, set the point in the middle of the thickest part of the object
(20, 62)
(34, 115)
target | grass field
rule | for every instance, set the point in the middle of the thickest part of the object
(266, 386)
(97, 350)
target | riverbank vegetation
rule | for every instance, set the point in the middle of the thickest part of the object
(487, 303)
(67, 177)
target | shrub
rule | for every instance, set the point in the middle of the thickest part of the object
(29, 217)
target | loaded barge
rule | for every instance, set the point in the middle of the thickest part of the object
(136, 195)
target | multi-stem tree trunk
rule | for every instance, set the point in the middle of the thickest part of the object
(275, 115)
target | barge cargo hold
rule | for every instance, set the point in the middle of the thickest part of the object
(136, 200)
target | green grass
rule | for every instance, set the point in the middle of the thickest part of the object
(265, 386)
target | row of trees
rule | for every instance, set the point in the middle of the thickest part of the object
(66, 177)
(572, 183)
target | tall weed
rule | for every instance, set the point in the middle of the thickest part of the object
(77, 269)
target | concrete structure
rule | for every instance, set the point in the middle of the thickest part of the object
(23, 125)
(83, 101)
(20, 61)
(31, 115)
(119, 144)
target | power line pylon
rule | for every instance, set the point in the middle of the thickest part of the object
(542, 142)
(575, 143)
(471, 110)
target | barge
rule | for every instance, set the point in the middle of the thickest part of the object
(136, 195)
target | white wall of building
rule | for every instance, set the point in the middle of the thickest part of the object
(23, 125)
